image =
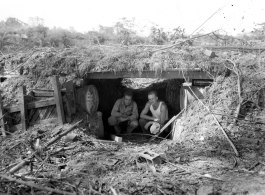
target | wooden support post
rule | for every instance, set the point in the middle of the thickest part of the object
(2, 118)
(70, 95)
(23, 108)
(58, 99)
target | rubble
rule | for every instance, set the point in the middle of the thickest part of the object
(200, 161)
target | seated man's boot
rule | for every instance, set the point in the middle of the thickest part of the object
(117, 129)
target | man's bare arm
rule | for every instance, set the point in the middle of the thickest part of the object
(115, 109)
(163, 114)
(145, 111)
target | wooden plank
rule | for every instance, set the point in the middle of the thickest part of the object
(48, 113)
(2, 118)
(42, 112)
(35, 117)
(70, 95)
(68, 114)
(38, 104)
(58, 99)
(42, 90)
(31, 114)
(43, 94)
(168, 74)
(46, 121)
(23, 108)
(47, 110)
(53, 113)
(42, 103)
(47, 90)
(12, 109)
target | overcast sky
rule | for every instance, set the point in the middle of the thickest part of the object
(84, 15)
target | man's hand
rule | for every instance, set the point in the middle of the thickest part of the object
(131, 118)
(121, 119)
(124, 115)
(157, 119)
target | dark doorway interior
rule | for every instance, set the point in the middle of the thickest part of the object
(110, 90)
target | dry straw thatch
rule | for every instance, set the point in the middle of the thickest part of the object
(50, 61)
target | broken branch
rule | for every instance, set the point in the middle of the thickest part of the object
(37, 186)
(197, 174)
(237, 71)
(71, 128)
(26, 161)
(217, 122)
(167, 124)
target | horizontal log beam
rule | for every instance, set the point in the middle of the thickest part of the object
(235, 48)
(43, 94)
(31, 105)
(168, 74)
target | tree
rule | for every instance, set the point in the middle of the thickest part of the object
(36, 21)
(158, 35)
(259, 33)
(37, 35)
(13, 23)
(10, 32)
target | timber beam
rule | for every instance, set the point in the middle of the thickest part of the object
(167, 74)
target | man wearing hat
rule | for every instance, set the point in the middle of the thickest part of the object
(159, 116)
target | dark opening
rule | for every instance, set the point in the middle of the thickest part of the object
(110, 90)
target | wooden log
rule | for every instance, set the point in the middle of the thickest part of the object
(71, 128)
(2, 118)
(23, 108)
(19, 166)
(31, 105)
(70, 95)
(58, 99)
(68, 114)
(242, 48)
(167, 74)
(47, 90)
(43, 94)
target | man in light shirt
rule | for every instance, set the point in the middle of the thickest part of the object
(124, 113)
(159, 112)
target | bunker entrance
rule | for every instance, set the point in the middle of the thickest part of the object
(109, 90)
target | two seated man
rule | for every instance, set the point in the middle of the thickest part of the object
(125, 113)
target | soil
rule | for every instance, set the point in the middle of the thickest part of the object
(103, 167)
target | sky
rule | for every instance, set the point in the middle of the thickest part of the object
(84, 15)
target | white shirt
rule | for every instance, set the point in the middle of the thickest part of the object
(156, 113)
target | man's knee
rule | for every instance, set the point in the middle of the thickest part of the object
(142, 122)
(112, 120)
(134, 124)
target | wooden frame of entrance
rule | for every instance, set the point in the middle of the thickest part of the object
(166, 74)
